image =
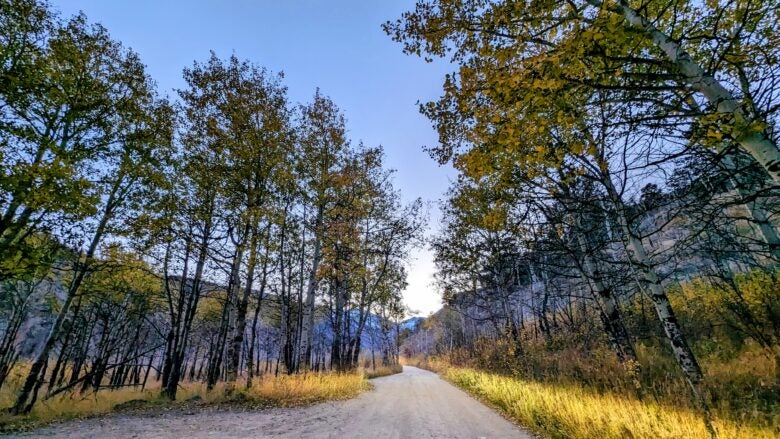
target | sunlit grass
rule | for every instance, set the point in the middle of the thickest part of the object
(558, 411)
(266, 391)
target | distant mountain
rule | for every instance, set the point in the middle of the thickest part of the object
(412, 323)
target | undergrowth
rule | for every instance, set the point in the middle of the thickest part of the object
(267, 391)
(382, 371)
(558, 411)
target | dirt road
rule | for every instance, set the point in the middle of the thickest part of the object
(414, 404)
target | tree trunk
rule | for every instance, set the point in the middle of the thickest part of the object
(192, 299)
(82, 267)
(307, 327)
(756, 142)
(638, 256)
(609, 309)
(241, 307)
(253, 342)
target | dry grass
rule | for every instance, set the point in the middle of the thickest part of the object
(382, 371)
(434, 364)
(269, 391)
(558, 411)
(70, 406)
(282, 391)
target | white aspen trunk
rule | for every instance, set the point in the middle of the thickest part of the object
(767, 229)
(610, 310)
(768, 232)
(307, 323)
(242, 304)
(638, 256)
(231, 369)
(763, 149)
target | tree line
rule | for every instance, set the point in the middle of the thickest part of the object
(215, 236)
(608, 152)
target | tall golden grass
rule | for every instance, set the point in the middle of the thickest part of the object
(266, 391)
(282, 390)
(558, 411)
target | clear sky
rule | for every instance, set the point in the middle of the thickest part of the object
(336, 45)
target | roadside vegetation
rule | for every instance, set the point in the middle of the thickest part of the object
(573, 386)
(573, 412)
(382, 371)
(269, 391)
(608, 253)
(612, 239)
(216, 241)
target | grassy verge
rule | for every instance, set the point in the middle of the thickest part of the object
(383, 371)
(270, 391)
(557, 411)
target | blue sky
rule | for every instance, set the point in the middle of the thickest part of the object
(336, 45)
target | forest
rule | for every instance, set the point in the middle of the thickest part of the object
(614, 224)
(215, 236)
(607, 252)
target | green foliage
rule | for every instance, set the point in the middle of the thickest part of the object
(76, 107)
(123, 276)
